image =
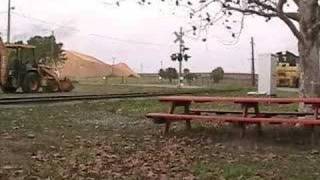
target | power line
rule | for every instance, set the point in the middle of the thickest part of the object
(45, 22)
(126, 40)
(93, 34)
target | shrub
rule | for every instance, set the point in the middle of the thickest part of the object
(217, 74)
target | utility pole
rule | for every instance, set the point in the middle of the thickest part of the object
(161, 64)
(52, 48)
(9, 21)
(253, 72)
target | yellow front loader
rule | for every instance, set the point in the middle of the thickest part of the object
(20, 71)
(288, 76)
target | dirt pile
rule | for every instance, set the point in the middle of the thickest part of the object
(79, 65)
(123, 69)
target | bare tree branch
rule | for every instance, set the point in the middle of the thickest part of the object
(286, 20)
(296, 2)
(264, 8)
(264, 5)
(250, 11)
(204, 6)
(268, 11)
(293, 15)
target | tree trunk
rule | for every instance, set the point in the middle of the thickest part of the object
(309, 68)
(309, 49)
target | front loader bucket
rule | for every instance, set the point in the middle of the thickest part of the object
(56, 84)
(66, 85)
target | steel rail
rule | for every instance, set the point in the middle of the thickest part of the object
(87, 97)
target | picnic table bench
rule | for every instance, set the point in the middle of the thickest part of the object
(242, 118)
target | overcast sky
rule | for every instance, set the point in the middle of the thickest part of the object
(141, 36)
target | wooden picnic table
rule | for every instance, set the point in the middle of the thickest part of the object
(246, 104)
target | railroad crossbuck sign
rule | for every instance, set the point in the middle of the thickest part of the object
(179, 37)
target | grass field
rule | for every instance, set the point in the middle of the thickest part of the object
(131, 85)
(200, 81)
(113, 140)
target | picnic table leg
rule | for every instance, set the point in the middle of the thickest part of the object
(257, 112)
(316, 116)
(316, 112)
(187, 111)
(242, 125)
(168, 123)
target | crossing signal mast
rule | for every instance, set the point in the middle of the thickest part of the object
(181, 55)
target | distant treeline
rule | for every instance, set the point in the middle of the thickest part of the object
(240, 76)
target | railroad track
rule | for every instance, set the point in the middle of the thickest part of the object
(87, 97)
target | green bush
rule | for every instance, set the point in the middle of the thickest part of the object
(217, 74)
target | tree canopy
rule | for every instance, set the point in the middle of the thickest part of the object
(162, 74)
(48, 51)
(188, 76)
(169, 73)
(293, 13)
(217, 74)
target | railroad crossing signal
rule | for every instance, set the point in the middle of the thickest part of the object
(174, 57)
(181, 55)
(186, 57)
(179, 36)
(186, 49)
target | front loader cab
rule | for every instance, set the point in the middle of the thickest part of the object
(21, 54)
(22, 68)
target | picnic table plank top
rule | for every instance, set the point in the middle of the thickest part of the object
(184, 117)
(207, 99)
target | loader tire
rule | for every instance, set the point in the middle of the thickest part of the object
(31, 83)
